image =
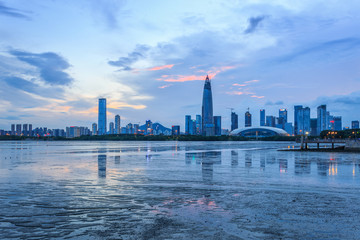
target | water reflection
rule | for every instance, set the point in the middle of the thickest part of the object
(117, 159)
(283, 165)
(302, 166)
(207, 160)
(102, 166)
(234, 158)
(248, 159)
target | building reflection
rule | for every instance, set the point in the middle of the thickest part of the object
(262, 160)
(234, 158)
(248, 159)
(102, 166)
(207, 161)
(283, 165)
(322, 167)
(117, 159)
(302, 166)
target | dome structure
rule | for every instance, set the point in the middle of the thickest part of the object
(253, 132)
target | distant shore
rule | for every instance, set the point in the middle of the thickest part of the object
(335, 150)
(131, 137)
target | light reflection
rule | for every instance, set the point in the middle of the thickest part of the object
(283, 165)
(102, 166)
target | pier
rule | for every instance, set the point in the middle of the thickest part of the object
(321, 141)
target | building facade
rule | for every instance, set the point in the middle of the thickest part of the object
(117, 124)
(234, 121)
(247, 119)
(321, 119)
(208, 128)
(102, 117)
(217, 122)
(262, 117)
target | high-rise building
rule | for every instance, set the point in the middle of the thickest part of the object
(198, 125)
(297, 110)
(270, 121)
(18, 129)
(282, 117)
(234, 121)
(94, 129)
(102, 117)
(289, 128)
(129, 128)
(337, 123)
(25, 130)
(354, 124)
(262, 117)
(12, 129)
(117, 124)
(149, 127)
(321, 119)
(247, 119)
(136, 128)
(111, 128)
(302, 120)
(207, 110)
(30, 130)
(175, 130)
(188, 124)
(217, 122)
(313, 127)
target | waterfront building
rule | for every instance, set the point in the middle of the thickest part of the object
(129, 129)
(321, 119)
(136, 128)
(217, 122)
(288, 127)
(337, 123)
(354, 124)
(313, 127)
(188, 125)
(270, 121)
(198, 125)
(282, 120)
(149, 127)
(207, 110)
(12, 129)
(102, 117)
(111, 128)
(94, 129)
(262, 117)
(234, 121)
(117, 124)
(297, 110)
(247, 119)
(30, 130)
(259, 132)
(18, 129)
(175, 130)
(25, 130)
(302, 120)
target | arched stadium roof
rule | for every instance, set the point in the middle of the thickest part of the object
(259, 132)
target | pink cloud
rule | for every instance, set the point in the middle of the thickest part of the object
(161, 67)
(252, 81)
(235, 93)
(254, 96)
(165, 86)
(239, 85)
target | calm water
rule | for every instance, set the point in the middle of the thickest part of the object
(176, 190)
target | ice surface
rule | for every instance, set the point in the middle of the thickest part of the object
(176, 190)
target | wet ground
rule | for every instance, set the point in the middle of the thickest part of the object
(176, 190)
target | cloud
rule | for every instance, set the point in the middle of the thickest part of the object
(165, 86)
(124, 63)
(254, 23)
(121, 105)
(255, 96)
(161, 67)
(12, 12)
(239, 85)
(252, 81)
(50, 65)
(270, 103)
(235, 93)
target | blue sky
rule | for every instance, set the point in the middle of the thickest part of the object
(149, 59)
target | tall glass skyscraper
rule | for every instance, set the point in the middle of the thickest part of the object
(262, 117)
(117, 124)
(217, 122)
(234, 121)
(102, 117)
(188, 125)
(207, 110)
(198, 125)
(321, 119)
(247, 119)
(302, 120)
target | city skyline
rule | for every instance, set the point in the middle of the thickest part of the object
(259, 55)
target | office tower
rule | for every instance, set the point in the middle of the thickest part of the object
(321, 119)
(136, 128)
(175, 130)
(192, 127)
(129, 128)
(247, 119)
(198, 125)
(12, 129)
(102, 117)
(149, 127)
(262, 117)
(306, 119)
(337, 123)
(25, 130)
(234, 121)
(30, 130)
(354, 124)
(270, 121)
(18, 129)
(313, 127)
(289, 128)
(94, 129)
(297, 110)
(117, 124)
(207, 110)
(282, 117)
(188, 124)
(217, 122)
(111, 128)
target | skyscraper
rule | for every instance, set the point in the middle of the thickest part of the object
(234, 121)
(297, 110)
(25, 130)
(313, 126)
(321, 119)
(217, 122)
(247, 119)
(94, 129)
(198, 125)
(12, 129)
(111, 128)
(337, 123)
(262, 117)
(175, 130)
(117, 124)
(30, 130)
(102, 117)
(188, 125)
(354, 124)
(207, 110)
(282, 117)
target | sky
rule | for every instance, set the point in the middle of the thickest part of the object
(149, 59)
